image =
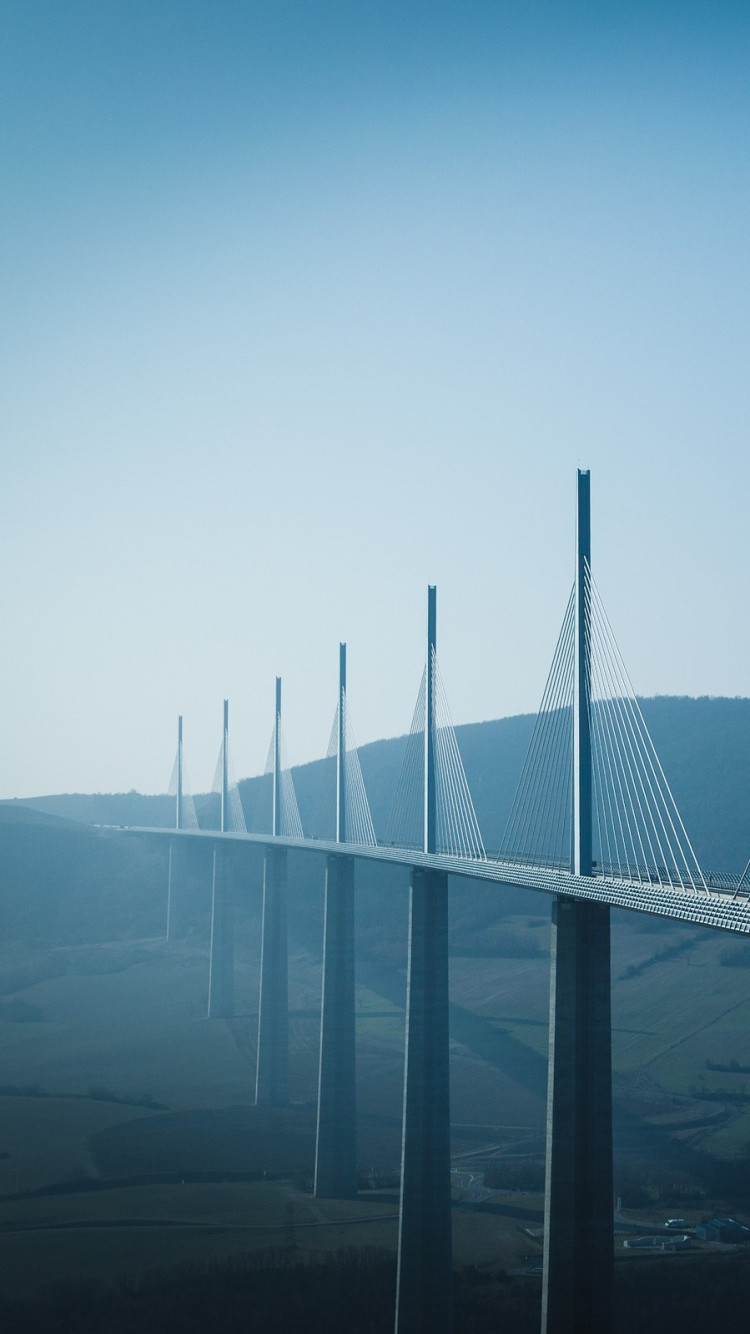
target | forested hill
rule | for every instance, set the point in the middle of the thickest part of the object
(703, 744)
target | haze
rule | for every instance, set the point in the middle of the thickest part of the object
(306, 306)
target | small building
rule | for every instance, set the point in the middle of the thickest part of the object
(723, 1230)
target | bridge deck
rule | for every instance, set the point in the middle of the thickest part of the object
(719, 905)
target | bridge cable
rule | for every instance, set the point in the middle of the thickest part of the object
(359, 825)
(360, 829)
(189, 816)
(458, 827)
(629, 782)
(457, 832)
(290, 823)
(323, 819)
(538, 817)
(235, 813)
(405, 825)
(532, 815)
(664, 803)
(638, 832)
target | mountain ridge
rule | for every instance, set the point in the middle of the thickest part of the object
(703, 743)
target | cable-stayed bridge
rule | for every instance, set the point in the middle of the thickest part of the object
(594, 825)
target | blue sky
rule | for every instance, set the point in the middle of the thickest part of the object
(306, 305)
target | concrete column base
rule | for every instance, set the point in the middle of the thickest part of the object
(336, 1142)
(579, 1221)
(424, 1284)
(169, 933)
(221, 968)
(272, 1069)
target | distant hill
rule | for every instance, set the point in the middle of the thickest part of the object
(82, 959)
(63, 882)
(703, 744)
(104, 808)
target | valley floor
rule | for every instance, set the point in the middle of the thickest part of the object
(128, 1141)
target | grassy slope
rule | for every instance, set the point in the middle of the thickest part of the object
(48, 1139)
(703, 744)
(131, 1018)
(128, 1014)
(138, 1026)
(141, 1028)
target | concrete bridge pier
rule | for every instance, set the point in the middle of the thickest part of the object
(579, 1217)
(424, 1283)
(172, 877)
(579, 1240)
(272, 1069)
(221, 968)
(174, 851)
(336, 1143)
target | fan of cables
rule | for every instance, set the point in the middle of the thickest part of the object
(290, 824)
(638, 832)
(187, 818)
(359, 826)
(235, 821)
(458, 832)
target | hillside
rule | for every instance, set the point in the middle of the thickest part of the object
(703, 745)
(127, 1132)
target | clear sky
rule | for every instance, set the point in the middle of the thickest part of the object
(308, 303)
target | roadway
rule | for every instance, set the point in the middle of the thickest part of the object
(709, 905)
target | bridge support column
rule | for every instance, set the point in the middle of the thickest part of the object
(336, 1145)
(424, 1284)
(579, 1217)
(221, 968)
(272, 1070)
(579, 1240)
(171, 885)
(174, 853)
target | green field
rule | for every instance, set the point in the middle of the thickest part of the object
(135, 1229)
(127, 1020)
(49, 1139)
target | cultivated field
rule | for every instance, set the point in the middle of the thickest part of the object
(112, 1074)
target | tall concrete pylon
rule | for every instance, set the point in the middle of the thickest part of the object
(174, 851)
(272, 1068)
(336, 1138)
(221, 968)
(424, 1286)
(578, 1233)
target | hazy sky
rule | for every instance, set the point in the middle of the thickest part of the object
(307, 304)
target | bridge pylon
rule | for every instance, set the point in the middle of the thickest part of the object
(424, 1289)
(172, 875)
(221, 967)
(272, 1067)
(578, 1234)
(336, 1138)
